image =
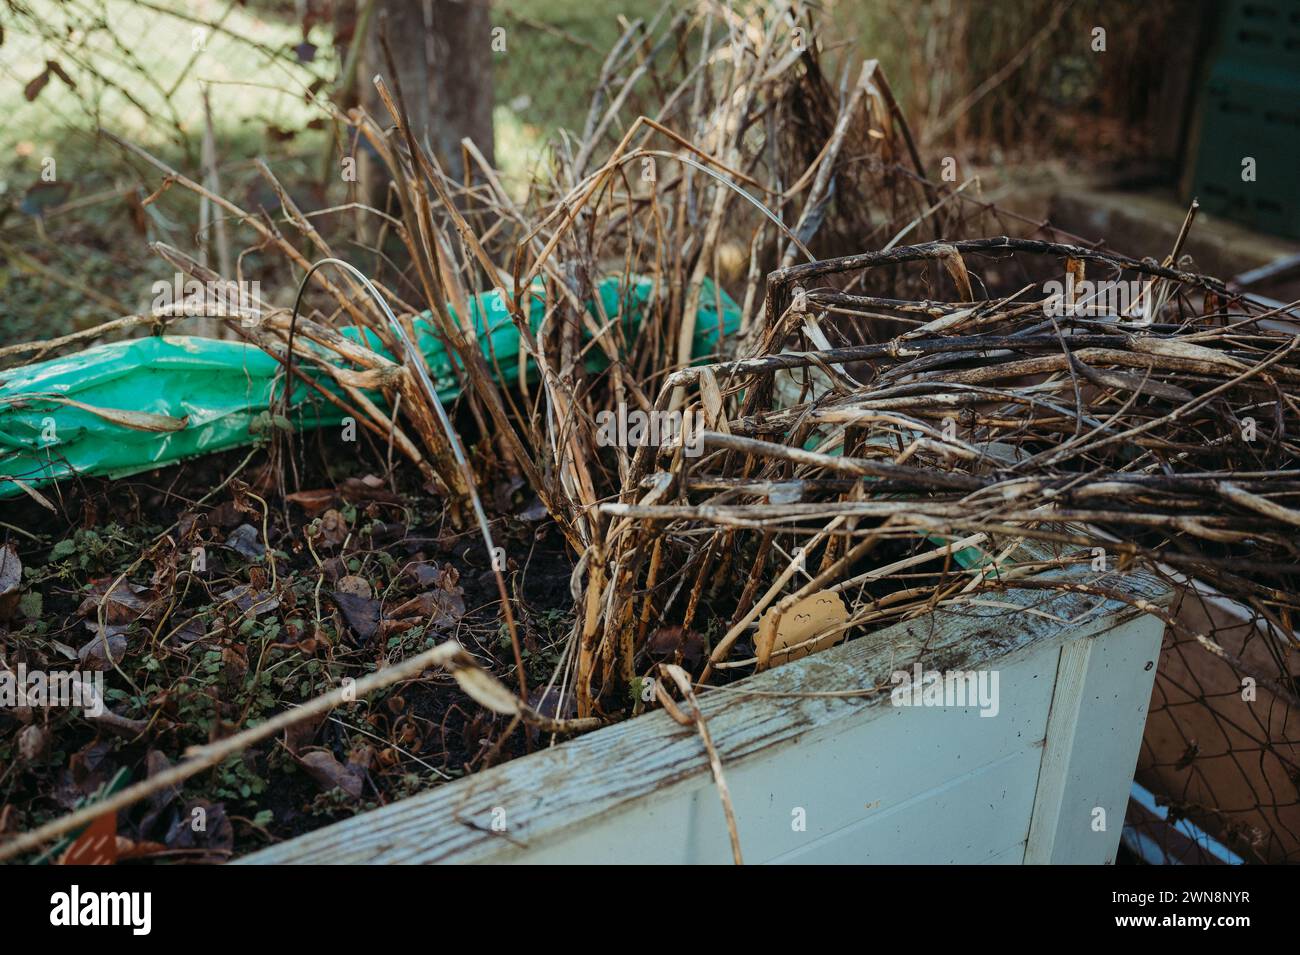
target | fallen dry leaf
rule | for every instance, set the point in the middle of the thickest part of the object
(675, 643)
(362, 611)
(33, 740)
(248, 601)
(333, 528)
(369, 488)
(11, 578)
(354, 586)
(104, 649)
(87, 771)
(157, 762)
(30, 491)
(314, 503)
(441, 608)
(246, 541)
(135, 420)
(124, 604)
(322, 766)
(201, 824)
(301, 734)
(97, 844)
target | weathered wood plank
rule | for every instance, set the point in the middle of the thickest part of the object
(859, 789)
(1099, 710)
(1062, 724)
(966, 820)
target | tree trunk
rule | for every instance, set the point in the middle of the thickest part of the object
(443, 53)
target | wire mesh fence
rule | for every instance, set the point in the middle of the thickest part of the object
(1222, 743)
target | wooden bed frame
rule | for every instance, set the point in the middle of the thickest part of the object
(825, 778)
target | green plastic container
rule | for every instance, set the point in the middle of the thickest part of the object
(1250, 108)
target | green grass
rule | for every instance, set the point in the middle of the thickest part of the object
(159, 106)
(542, 82)
(163, 101)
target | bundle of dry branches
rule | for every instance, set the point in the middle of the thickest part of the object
(988, 421)
(752, 156)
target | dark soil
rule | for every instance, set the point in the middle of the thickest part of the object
(202, 650)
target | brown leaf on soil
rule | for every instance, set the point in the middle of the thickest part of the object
(448, 579)
(424, 573)
(190, 631)
(361, 612)
(245, 540)
(429, 574)
(441, 608)
(11, 578)
(676, 644)
(229, 514)
(104, 649)
(354, 586)
(97, 844)
(314, 503)
(381, 533)
(301, 734)
(202, 825)
(333, 528)
(368, 488)
(313, 644)
(246, 601)
(362, 756)
(236, 665)
(157, 762)
(388, 626)
(125, 604)
(322, 766)
(88, 769)
(33, 740)
(334, 569)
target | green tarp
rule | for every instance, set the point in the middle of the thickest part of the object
(223, 390)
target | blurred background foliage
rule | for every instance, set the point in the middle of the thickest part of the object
(993, 82)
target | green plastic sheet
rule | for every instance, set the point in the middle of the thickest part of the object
(223, 390)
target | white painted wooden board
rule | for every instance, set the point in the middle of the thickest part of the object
(1094, 731)
(875, 782)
